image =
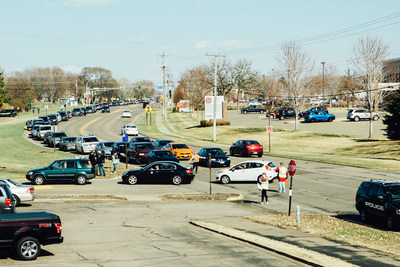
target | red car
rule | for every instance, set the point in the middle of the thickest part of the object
(246, 148)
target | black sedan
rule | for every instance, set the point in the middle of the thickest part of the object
(160, 155)
(218, 157)
(160, 171)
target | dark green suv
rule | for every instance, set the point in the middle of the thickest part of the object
(74, 170)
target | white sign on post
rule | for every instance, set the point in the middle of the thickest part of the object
(209, 107)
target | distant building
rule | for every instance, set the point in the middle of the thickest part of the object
(392, 71)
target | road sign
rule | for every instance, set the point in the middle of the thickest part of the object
(46, 107)
(148, 109)
(31, 103)
(125, 138)
(161, 98)
(292, 168)
(269, 129)
(160, 87)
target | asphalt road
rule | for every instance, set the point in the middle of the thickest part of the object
(143, 230)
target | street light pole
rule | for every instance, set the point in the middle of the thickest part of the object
(323, 79)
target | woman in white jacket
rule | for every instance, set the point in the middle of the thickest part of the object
(264, 185)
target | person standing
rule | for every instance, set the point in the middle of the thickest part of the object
(195, 161)
(38, 110)
(263, 186)
(100, 163)
(115, 161)
(282, 176)
(93, 161)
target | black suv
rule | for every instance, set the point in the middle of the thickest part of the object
(283, 113)
(381, 199)
(8, 113)
(76, 170)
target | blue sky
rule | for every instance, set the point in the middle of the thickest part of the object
(128, 37)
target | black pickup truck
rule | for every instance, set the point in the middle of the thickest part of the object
(24, 233)
(253, 108)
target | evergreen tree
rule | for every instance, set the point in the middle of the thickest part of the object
(3, 93)
(392, 119)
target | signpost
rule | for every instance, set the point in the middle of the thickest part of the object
(292, 170)
(269, 130)
(125, 139)
(148, 109)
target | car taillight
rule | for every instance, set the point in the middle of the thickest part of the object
(189, 170)
(30, 190)
(8, 202)
(59, 227)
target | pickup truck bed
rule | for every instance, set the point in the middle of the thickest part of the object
(26, 232)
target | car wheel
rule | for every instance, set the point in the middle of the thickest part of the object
(225, 179)
(259, 179)
(313, 120)
(81, 180)
(390, 222)
(363, 215)
(176, 180)
(228, 165)
(375, 118)
(262, 112)
(244, 111)
(356, 118)
(230, 152)
(271, 116)
(330, 119)
(259, 155)
(281, 118)
(28, 248)
(39, 180)
(17, 200)
(132, 180)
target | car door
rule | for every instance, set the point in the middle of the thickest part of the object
(70, 170)
(237, 147)
(166, 172)
(238, 173)
(152, 173)
(371, 204)
(253, 171)
(56, 171)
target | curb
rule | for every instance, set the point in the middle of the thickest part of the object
(294, 252)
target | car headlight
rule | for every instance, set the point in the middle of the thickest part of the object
(228, 158)
(398, 211)
(125, 173)
(30, 173)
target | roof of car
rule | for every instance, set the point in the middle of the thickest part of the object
(208, 148)
(386, 182)
(256, 161)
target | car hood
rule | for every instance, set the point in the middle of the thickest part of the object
(396, 203)
(39, 169)
(219, 156)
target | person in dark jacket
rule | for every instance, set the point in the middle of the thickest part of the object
(100, 163)
(93, 161)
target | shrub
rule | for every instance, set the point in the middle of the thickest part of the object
(174, 109)
(203, 123)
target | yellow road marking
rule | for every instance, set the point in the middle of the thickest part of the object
(43, 186)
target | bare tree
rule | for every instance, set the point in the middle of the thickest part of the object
(268, 89)
(296, 67)
(196, 86)
(368, 60)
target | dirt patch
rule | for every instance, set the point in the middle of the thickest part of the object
(81, 197)
(337, 229)
(203, 197)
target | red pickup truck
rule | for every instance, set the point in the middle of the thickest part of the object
(24, 233)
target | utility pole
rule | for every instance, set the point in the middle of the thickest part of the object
(323, 79)
(164, 89)
(215, 95)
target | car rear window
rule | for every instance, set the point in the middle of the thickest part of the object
(250, 142)
(109, 144)
(59, 134)
(144, 146)
(83, 164)
(90, 139)
(69, 139)
(179, 146)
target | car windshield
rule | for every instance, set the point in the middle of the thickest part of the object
(393, 191)
(142, 139)
(60, 134)
(179, 146)
(69, 139)
(45, 128)
(90, 139)
(76, 110)
(144, 146)
(13, 182)
(165, 153)
(108, 144)
(216, 152)
(250, 142)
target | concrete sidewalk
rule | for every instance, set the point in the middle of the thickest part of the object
(348, 253)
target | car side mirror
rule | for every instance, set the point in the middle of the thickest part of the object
(233, 144)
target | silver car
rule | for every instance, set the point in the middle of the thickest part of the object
(21, 193)
(361, 114)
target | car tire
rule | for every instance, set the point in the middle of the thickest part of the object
(271, 116)
(225, 179)
(259, 155)
(228, 165)
(356, 118)
(244, 111)
(17, 200)
(39, 180)
(81, 180)
(375, 118)
(281, 118)
(313, 120)
(330, 119)
(28, 248)
(259, 179)
(177, 180)
(363, 215)
(390, 222)
(262, 112)
(230, 152)
(132, 179)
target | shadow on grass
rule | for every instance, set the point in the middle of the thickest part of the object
(372, 222)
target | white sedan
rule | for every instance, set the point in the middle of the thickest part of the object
(21, 192)
(126, 114)
(247, 171)
(130, 130)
